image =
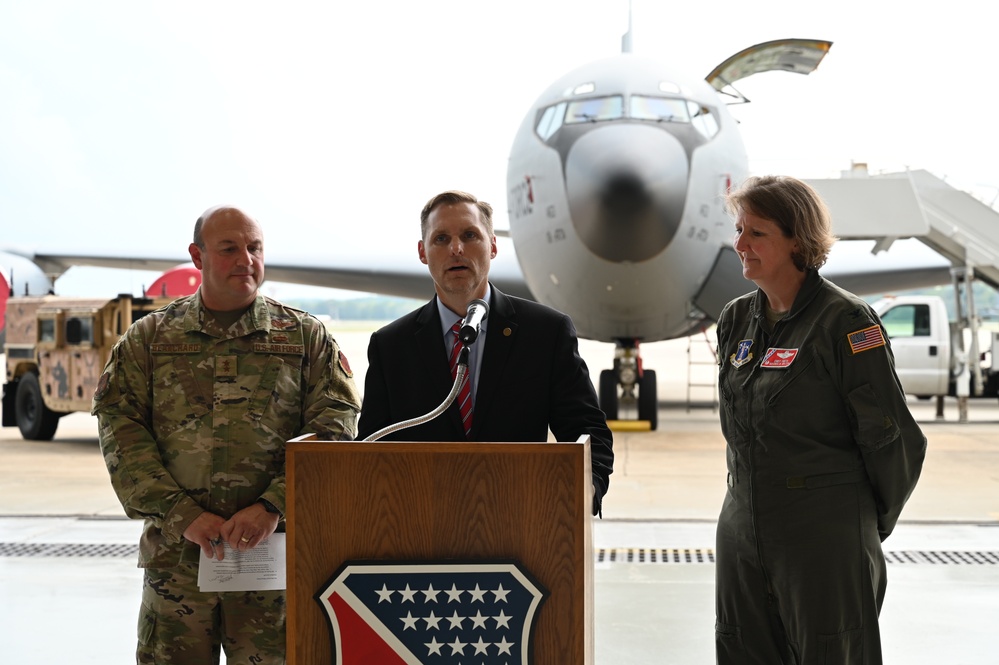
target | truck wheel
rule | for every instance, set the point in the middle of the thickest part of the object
(35, 420)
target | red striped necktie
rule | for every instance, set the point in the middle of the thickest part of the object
(465, 392)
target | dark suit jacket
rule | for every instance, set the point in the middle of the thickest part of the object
(532, 380)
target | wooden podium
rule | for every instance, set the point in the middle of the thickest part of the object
(433, 502)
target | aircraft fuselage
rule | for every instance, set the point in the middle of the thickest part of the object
(616, 186)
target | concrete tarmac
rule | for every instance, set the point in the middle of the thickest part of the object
(71, 589)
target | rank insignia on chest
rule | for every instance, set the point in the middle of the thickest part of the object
(778, 358)
(742, 354)
(225, 366)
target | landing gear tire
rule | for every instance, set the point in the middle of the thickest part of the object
(648, 399)
(35, 420)
(608, 393)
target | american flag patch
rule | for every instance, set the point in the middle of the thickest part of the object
(868, 338)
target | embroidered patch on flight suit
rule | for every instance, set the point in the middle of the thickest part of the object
(778, 358)
(279, 338)
(102, 385)
(174, 348)
(283, 323)
(295, 349)
(344, 365)
(868, 338)
(742, 354)
(225, 366)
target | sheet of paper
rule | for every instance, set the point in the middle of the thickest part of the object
(259, 569)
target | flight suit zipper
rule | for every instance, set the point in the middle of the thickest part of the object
(751, 390)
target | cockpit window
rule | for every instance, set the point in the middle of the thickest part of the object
(594, 109)
(551, 120)
(660, 109)
(640, 107)
(703, 118)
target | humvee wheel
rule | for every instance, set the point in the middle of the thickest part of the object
(35, 420)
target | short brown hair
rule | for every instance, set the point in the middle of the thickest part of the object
(451, 197)
(795, 207)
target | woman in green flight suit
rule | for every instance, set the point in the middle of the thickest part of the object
(822, 450)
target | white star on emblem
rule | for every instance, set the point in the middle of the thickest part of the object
(480, 646)
(454, 595)
(410, 621)
(501, 593)
(407, 594)
(504, 646)
(430, 594)
(478, 621)
(384, 595)
(477, 594)
(502, 620)
(434, 646)
(455, 620)
(432, 621)
(457, 647)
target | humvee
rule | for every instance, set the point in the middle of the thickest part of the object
(55, 350)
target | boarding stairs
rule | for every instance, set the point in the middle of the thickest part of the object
(915, 204)
(702, 370)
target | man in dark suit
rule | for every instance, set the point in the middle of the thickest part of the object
(526, 375)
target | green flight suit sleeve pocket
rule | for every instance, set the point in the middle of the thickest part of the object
(872, 427)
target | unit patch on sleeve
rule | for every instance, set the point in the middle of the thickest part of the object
(868, 338)
(344, 365)
(778, 358)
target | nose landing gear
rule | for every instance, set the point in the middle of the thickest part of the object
(629, 385)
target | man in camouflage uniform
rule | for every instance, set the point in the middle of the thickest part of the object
(194, 408)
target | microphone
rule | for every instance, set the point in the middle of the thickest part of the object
(478, 310)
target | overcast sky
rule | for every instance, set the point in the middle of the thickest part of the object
(334, 122)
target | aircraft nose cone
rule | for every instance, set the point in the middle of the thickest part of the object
(627, 185)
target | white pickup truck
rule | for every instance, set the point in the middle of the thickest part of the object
(930, 351)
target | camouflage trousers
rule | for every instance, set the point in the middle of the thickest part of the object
(180, 625)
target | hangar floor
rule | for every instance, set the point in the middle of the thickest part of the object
(71, 589)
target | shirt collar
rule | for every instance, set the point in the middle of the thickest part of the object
(448, 317)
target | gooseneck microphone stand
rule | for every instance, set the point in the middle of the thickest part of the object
(419, 420)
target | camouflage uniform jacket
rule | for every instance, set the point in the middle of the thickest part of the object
(193, 417)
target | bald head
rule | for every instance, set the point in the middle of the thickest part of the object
(228, 249)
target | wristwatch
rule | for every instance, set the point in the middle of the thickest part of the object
(269, 507)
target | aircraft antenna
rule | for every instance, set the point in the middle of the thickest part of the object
(626, 37)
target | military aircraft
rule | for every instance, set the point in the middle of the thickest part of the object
(615, 193)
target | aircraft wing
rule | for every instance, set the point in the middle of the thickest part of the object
(405, 279)
(394, 276)
(908, 265)
(55, 264)
(800, 56)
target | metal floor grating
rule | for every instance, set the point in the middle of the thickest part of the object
(695, 556)
(654, 555)
(942, 557)
(643, 555)
(68, 550)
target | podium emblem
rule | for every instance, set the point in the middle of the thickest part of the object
(431, 613)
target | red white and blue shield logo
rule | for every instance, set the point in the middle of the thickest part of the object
(431, 613)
